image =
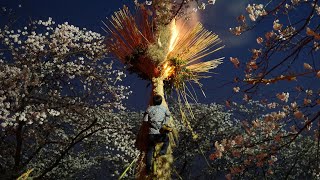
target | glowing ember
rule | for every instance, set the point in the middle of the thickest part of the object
(174, 35)
(167, 70)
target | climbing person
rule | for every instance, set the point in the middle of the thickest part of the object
(157, 116)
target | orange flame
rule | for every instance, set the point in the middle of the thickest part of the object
(174, 35)
(167, 70)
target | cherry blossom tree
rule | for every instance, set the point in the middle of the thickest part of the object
(257, 149)
(212, 122)
(53, 84)
(282, 73)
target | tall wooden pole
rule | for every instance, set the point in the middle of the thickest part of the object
(163, 163)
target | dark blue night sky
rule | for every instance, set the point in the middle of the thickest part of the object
(278, 133)
(218, 18)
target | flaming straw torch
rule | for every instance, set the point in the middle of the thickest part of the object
(161, 49)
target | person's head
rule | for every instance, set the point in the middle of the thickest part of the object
(157, 100)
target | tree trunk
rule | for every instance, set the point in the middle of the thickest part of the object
(17, 156)
(163, 163)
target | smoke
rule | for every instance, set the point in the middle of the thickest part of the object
(194, 16)
(222, 16)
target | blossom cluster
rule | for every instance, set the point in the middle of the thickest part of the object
(264, 140)
(255, 11)
(46, 63)
(53, 79)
